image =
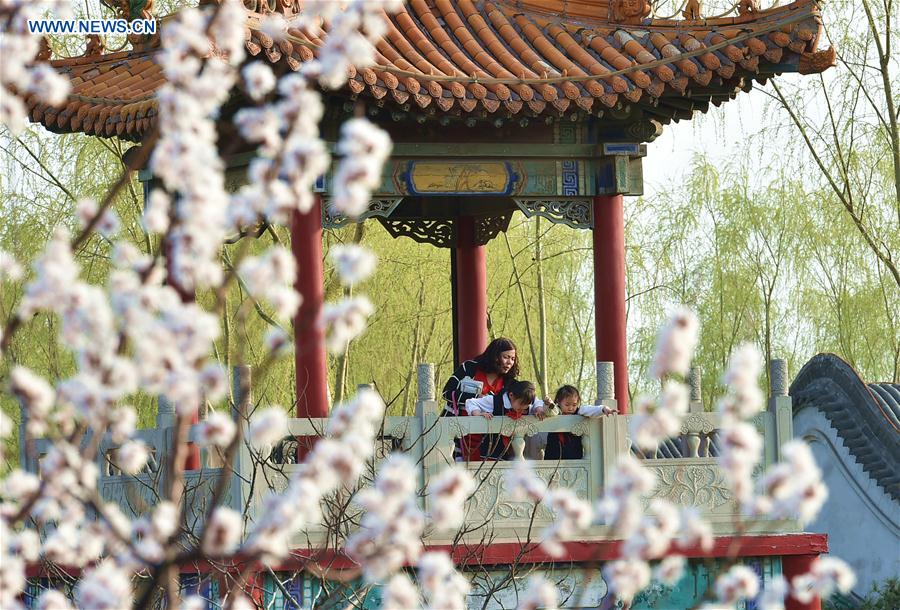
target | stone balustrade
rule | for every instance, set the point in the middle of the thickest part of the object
(685, 467)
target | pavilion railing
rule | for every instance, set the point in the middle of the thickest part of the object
(686, 468)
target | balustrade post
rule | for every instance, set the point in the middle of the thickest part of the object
(693, 441)
(518, 444)
(780, 406)
(606, 387)
(424, 386)
(165, 413)
(241, 388)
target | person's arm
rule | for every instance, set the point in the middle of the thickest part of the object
(595, 410)
(483, 406)
(451, 392)
(539, 409)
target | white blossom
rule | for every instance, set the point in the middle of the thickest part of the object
(156, 211)
(270, 277)
(353, 263)
(791, 488)
(670, 570)
(740, 582)
(695, 530)
(775, 589)
(132, 456)
(259, 79)
(223, 532)
(448, 492)
(104, 587)
(107, 224)
(740, 450)
(826, 575)
(267, 427)
(10, 269)
(365, 148)
(675, 344)
(277, 342)
(218, 429)
(744, 399)
(53, 600)
(345, 320)
(400, 594)
(34, 394)
(540, 594)
(391, 527)
(626, 577)
(123, 422)
(442, 586)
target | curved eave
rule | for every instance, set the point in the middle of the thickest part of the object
(865, 416)
(490, 57)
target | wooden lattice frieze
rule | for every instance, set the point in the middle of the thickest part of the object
(438, 233)
(488, 227)
(575, 212)
(382, 207)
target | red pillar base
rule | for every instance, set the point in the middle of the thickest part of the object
(471, 291)
(609, 290)
(795, 565)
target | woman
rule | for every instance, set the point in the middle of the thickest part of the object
(496, 367)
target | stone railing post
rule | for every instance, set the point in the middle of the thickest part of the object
(425, 381)
(780, 406)
(695, 379)
(242, 397)
(693, 439)
(606, 388)
(518, 446)
(165, 413)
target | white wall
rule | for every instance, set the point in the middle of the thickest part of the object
(862, 522)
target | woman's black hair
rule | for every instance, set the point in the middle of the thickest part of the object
(565, 392)
(489, 360)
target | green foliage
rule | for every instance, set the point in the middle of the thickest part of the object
(884, 596)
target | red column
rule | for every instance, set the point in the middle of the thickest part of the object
(609, 290)
(795, 565)
(309, 337)
(192, 460)
(471, 291)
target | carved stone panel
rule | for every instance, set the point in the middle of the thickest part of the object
(700, 485)
(492, 501)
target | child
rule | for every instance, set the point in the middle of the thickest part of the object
(565, 445)
(515, 401)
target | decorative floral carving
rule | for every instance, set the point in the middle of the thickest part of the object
(492, 498)
(581, 428)
(701, 485)
(696, 423)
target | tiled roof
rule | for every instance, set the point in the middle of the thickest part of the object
(865, 416)
(498, 56)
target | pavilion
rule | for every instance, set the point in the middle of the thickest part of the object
(542, 106)
(494, 106)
